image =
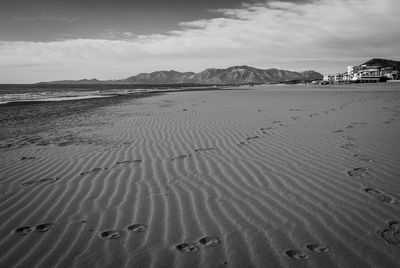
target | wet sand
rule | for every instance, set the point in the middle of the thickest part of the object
(245, 178)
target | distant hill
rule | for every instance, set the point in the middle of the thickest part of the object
(159, 77)
(384, 63)
(232, 75)
(80, 82)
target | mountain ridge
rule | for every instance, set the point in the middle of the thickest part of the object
(383, 63)
(240, 74)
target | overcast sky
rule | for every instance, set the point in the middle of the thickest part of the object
(45, 40)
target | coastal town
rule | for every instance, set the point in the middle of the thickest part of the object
(363, 74)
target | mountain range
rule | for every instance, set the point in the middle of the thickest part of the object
(232, 75)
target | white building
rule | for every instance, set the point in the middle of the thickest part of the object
(362, 74)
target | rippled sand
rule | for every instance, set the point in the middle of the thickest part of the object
(260, 178)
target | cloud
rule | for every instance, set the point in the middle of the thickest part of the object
(314, 34)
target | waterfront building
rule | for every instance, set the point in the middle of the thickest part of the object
(363, 74)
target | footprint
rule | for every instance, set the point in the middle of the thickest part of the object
(347, 146)
(317, 248)
(23, 230)
(180, 157)
(379, 195)
(349, 138)
(128, 162)
(361, 171)
(95, 170)
(27, 158)
(136, 228)
(295, 118)
(36, 182)
(187, 247)
(110, 234)
(209, 241)
(363, 158)
(267, 128)
(44, 227)
(204, 149)
(47, 180)
(392, 233)
(241, 144)
(28, 183)
(251, 138)
(296, 254)
(337, 131)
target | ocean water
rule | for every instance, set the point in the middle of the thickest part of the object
(47, 92)
(20, 93)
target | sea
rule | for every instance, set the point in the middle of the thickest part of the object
(27, 93)
(20, 93)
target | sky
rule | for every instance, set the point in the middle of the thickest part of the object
(46, 40)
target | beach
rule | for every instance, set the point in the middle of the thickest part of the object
(268, 176)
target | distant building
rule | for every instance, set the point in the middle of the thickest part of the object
(363, 74)
(368, 74)
(390, 73)
(329, 78)
(351, 70)
(339, 78)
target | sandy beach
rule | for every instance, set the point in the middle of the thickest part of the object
(290, 176)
